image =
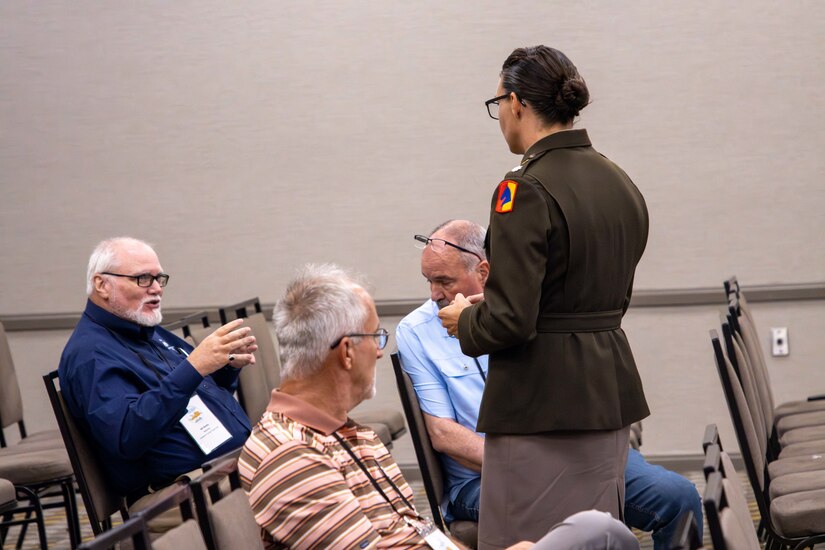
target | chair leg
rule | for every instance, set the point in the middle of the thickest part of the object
(72, 519)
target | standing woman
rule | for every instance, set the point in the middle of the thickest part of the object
(567, 229)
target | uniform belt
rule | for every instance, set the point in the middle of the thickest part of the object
(593, 321)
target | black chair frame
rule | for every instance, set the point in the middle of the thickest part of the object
(99, 524)
(205, 491)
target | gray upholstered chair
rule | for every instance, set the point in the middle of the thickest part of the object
(429, 461)
(194, 328)
(100, 500)
(224, 514)
(37, 461)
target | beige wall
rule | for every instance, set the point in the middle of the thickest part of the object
(246, 138)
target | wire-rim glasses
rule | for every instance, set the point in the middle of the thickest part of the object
(381, 338)
(440, 244)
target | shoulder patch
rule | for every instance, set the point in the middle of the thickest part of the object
(506, 196)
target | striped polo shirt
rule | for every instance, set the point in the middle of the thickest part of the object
(307, 492)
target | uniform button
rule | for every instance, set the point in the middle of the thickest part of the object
(466, 367)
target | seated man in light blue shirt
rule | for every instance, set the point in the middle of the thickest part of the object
(449, 386)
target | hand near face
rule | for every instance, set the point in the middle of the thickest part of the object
(449, 315)
(215, 350)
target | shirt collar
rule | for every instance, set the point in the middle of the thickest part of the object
(558, 140)
(118, 324)
(303, 412)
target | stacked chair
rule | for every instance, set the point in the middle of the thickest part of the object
(186, 535)
(783, 447)
(37, 466)
(726, 508)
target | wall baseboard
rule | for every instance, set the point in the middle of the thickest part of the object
(398, 308)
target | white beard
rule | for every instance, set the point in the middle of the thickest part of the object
(151, 319)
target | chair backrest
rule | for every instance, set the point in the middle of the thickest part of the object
(742, 367)
(133, 530)
(100, 499)
(11, 402)
(428, 460)
(725, 524)
(686, 535)
(257, 381)
(192, 325)
(226, 520)
(187, 536)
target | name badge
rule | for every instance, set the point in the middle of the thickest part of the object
(434, 538)
(204, 426)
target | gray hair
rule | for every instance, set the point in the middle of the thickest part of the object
(320, 305)
(465, 234)
(104, 257)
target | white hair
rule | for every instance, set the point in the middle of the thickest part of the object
(104, 257)
(321, 304)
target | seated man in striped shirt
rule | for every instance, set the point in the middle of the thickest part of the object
(315, 478)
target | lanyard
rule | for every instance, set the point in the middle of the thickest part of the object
(480, 370)
(373, 480)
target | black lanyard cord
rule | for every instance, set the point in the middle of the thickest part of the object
(373, 480)
(480, 370)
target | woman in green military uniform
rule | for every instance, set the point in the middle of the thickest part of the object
(566, 232)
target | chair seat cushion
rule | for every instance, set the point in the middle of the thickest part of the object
(802, 435)
(466, 532)
(794, 464)
(34, 467)
(797, 483)
(8, 496)
(802, 420)
(799, 514)
(796, 407)
(393, 420)
(802, 449)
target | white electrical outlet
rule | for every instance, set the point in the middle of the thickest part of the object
(779, 342)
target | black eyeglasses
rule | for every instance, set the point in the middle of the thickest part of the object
(381, 338)
(492, 105)
(440, 244)
(143, 280)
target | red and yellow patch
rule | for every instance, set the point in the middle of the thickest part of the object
(506, 196)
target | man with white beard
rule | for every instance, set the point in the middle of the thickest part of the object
(155, 407)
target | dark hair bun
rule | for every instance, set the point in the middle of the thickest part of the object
(572, 97)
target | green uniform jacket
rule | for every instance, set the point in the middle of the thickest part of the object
(567, 229)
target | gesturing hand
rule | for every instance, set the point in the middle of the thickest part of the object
(230, 344)
(450, 314)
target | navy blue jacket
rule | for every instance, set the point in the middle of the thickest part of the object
(129, 385)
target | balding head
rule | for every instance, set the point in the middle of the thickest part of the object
(448, 269)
